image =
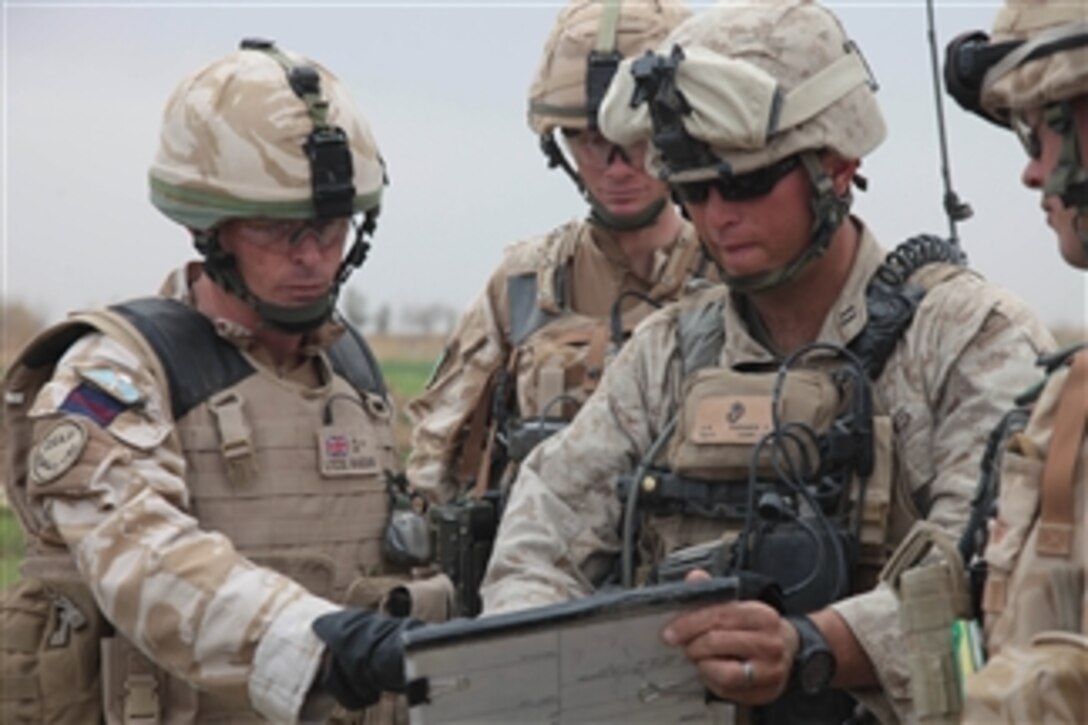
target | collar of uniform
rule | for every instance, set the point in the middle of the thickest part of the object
(849, 314)
(604, 241)
(675, 263)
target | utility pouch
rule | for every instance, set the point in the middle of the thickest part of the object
(407, 539)
(725, 413)
(136, 692)
(812, 565)
(932, 596)
(1046, 681)
(464, 534)
(49, 639)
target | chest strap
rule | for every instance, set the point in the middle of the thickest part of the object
(1056, 524)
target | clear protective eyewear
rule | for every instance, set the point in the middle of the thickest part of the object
(284, 235)
(594, 149)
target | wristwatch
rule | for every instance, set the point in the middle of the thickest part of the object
(814, 663)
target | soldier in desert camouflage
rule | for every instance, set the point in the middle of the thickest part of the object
(202, 474)
(1031, 76)
(759, 116)
(530, 348)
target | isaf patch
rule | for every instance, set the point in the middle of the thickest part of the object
(58, 451)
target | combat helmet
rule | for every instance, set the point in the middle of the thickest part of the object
(745, 92)
(588, 41)
(1036, 58)
(266, 133)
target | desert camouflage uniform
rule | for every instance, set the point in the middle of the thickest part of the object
(134, 511)
(599, 272)
(969, 350)
(1035, 602)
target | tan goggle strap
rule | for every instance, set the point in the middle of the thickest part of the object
(1056, 519)
(610, 20)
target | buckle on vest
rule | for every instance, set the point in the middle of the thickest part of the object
(141, 699)
(236, 440)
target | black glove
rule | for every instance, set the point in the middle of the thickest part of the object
(365, 657)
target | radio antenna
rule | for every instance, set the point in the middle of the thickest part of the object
(954, 208)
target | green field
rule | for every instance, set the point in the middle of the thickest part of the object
(406, 378)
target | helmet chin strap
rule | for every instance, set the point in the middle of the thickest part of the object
(624, 222)
(828, 212)
(597, 212)
(222, 267)
(1068, 180)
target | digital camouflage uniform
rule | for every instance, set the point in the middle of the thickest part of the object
(576, 273)
(968, 351)
(481, 345)
(1035, 598)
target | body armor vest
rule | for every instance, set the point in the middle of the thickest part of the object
(295, 477)
(560, 354)
(786, 471)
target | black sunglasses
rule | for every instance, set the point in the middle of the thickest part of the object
(752, 185)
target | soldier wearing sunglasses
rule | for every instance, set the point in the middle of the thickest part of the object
(703, 448)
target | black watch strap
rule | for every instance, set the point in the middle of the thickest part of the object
(814, 664)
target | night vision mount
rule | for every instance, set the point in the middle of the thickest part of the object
(326, 147)
(655, 85)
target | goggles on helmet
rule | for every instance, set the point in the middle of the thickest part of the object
(741, 187)
(972, 62)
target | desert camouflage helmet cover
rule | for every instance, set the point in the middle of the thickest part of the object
(1061, 75)
(232, 140)
(557, 96)
(765, 81)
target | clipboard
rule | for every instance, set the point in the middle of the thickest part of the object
(598, 659)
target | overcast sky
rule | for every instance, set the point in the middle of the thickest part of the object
(443, 85)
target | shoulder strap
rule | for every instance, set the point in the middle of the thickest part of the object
(198, 363)
(700, 333)
(1056, 518)
(352, 359)
(526, 315)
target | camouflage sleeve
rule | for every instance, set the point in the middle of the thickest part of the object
(460, 383)
(970, 351)
(107, 480)
(559, 530)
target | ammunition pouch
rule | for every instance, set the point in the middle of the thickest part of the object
(464, 532)
(49, 653)
(932, 596)
(1045, 681)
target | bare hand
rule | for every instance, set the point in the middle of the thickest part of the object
(721, 638)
